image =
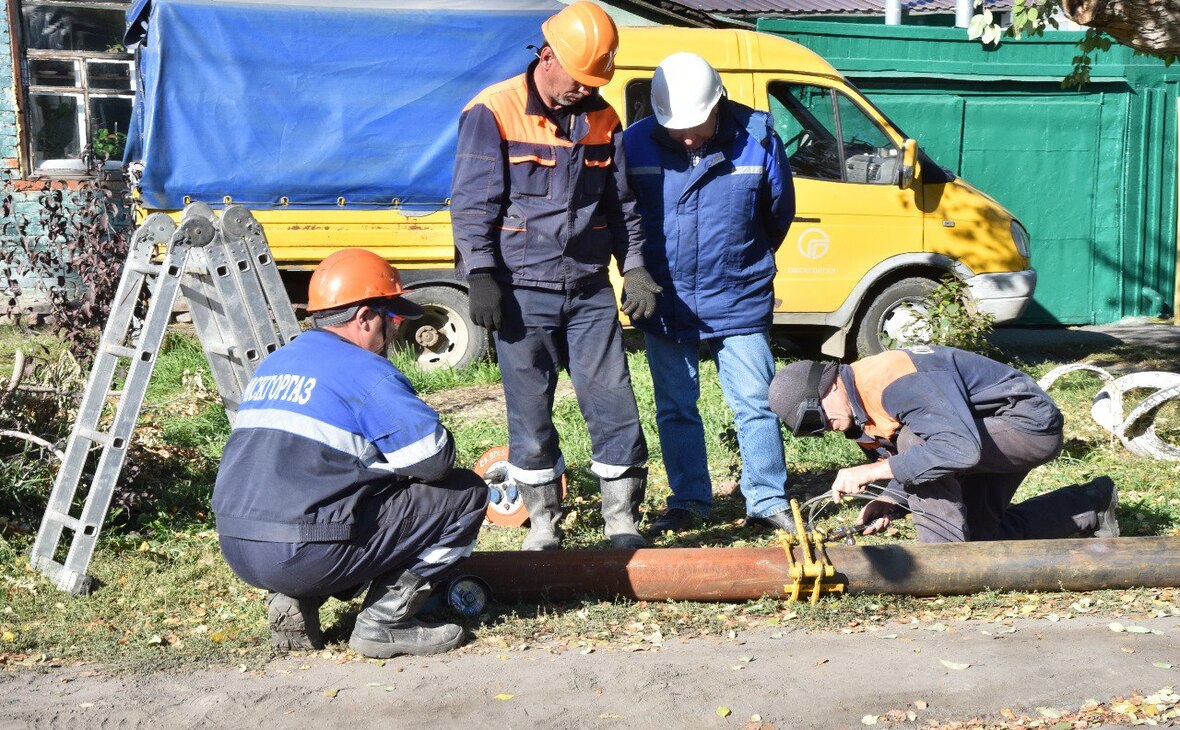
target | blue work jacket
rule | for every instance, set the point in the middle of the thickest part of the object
(712, 229)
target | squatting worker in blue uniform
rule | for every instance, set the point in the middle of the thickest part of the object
(539, 204)
(954, 433)
(337, 475)
(716, 199)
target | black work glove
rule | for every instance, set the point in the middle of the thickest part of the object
(483, 296)
(639, 293)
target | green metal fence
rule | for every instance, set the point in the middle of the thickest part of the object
(1091, 173)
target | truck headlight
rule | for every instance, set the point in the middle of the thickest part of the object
(1020, 239)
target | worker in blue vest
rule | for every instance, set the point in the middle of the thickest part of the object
(337, 475)
(716, 199)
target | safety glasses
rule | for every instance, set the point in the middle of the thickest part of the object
(810, 418)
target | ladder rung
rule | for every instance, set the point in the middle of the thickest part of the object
(143, 267)
(97, 437)
(120, 350)
(64, 520)
(218, 348)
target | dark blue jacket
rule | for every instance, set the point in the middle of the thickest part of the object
(712, 229)
(326, 430)
(940, 393)
(535, 205)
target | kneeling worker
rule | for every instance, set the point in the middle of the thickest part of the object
(953, 431)
(337, 475)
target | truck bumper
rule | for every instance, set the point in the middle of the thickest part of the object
(1004, 296)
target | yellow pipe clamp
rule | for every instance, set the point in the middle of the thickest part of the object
(815, 568)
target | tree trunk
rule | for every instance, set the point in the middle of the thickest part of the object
(1146, 25)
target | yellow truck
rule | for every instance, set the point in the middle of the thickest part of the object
(878, 222)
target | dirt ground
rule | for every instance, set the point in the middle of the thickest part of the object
(782, 678)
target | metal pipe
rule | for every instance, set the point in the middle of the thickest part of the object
(893, 12)
(742, 574)
(964, 9)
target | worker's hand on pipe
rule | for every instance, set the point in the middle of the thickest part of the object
(853, 479)
(876, 515)
(639, 293)
(483, 299)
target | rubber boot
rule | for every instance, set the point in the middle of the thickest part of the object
(620, 509)
(544, 505)
(1105, 496)
(294, 622)
(386, 625)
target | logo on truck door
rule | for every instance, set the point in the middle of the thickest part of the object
(814, 243)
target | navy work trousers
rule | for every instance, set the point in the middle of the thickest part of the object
(977, 504)
(427, 529)
(543, 330)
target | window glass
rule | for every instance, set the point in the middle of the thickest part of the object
(53, 73)
(869, 155)
(64, 28)
(55, 126)
(75, 45)
(108, 76)
(638, 100)
(805, 119)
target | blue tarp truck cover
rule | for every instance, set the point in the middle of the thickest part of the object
(262, 100)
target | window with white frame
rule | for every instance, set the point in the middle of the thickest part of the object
(79, 83)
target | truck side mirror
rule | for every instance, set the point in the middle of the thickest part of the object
(909, 163)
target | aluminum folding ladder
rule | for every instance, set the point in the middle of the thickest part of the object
(241, 313)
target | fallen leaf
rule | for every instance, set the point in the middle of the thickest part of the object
(723, 711)
(86, 704)
(888, 636)
(1138, 630)
(1116, 627)
(373, 684)
(610, 716)
(755, 718)
(1161, 665)
(821, 661)
(331, 692)
(953, 665)
(1063, 725)
(1008, 713)
(869, 720)
(504, 697)
(936, 627)
(1128, 650)
(1053, 617)
(1050, 712)
(921, 704)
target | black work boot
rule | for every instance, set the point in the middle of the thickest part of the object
(1105, 497)
(675, 520)
(294, 622)
(544, 505)
(386, 625)
(620, 509)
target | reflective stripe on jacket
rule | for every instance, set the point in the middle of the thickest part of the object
(939, 393)
(712, 229)
(535, 205)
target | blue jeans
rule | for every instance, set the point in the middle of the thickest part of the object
(745, 366)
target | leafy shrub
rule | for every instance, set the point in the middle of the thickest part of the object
(949, 316)
(71, 239)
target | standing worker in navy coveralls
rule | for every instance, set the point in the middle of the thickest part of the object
(539, 204)
(954, 433)
(337, 475)
(716, 198)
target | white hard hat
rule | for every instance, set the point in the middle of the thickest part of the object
(684, 90)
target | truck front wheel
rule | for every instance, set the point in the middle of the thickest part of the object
(444, 336)
(888, 314)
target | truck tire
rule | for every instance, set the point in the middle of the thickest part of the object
(886, 314)
(445, 336)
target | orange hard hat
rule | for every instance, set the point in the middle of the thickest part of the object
(584, 39)
(354, 275)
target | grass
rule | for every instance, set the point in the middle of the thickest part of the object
(165, 598)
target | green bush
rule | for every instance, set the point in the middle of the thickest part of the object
(949, 316)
